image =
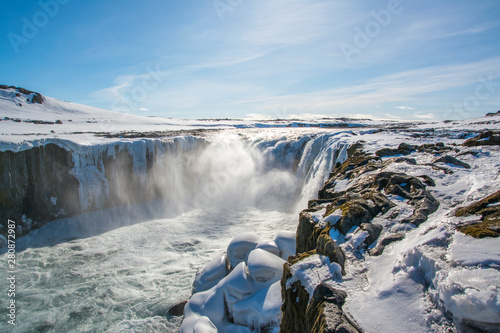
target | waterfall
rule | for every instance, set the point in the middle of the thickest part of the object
(222, 170)
(122, 268)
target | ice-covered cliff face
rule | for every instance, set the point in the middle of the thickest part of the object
(59, 178)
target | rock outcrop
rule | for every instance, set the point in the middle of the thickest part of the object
(489, 210)
(53, 181)
(488, 138)
(36, 186)
(31, 96)
(357, 191)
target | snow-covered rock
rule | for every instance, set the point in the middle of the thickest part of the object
(264, 267)
(285, 241)
(240, 247)
(211, 274)
(249, 296)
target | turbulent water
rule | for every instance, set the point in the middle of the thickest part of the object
(121, 269)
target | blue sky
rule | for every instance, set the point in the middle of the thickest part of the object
(407, 59)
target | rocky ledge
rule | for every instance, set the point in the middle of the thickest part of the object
(359, 192)
(338, 212)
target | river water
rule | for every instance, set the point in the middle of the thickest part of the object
(121, 269)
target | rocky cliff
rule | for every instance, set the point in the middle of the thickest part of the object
(360, 192)
(36, 186)
(61, 179)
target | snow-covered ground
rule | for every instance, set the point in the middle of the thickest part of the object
(434, 270)
(431, 280)
(24, 124)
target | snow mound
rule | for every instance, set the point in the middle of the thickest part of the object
(312, 271)
(243, 299)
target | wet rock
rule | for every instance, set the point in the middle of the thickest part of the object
(447, 159)
(178, 309)
(488, 138)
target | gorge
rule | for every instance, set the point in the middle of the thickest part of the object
(335, 225)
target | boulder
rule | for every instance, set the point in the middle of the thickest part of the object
(178, 309)
(403, 149)
(428, 180)
(489, 209)
(447, 159)
(324, 312)
(488, 138)
(264, 268)
(285, 240)
(211, 274)
(269, 246)
(240, 247)
(376, 251)
(374, 230)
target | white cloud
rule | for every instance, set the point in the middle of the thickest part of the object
(404, 107)
(427, 116)
(469, 31)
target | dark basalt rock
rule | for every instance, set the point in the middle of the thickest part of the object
(325, 307)
(408, 160)
(355, 206)
(489, 209)
(295, 298)
(328, 247)
(428, 180)
(28, 180)
(178, 309)
(434, 148)
(36, 98)
(488, 138)
(447, 159)
(493, 114)
(376, 251)
(403, 149)
(373, 230)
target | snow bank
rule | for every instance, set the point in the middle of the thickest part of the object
(312, 271)
(469, 251)
(472, 294)
(249, 295)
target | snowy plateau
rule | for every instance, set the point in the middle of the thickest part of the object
(127, 223)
